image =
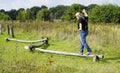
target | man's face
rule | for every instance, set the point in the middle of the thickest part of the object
(77, 16)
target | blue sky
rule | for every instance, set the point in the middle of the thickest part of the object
(16, 4)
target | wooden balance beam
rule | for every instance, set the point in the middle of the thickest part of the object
(27, 41)
(95, 57)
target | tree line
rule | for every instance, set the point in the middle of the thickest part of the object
(97, 13)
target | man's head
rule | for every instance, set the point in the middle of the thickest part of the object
(77, 15)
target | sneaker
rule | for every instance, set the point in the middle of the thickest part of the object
(88, 53)
(80, 53)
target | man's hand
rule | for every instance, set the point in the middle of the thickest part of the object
(80, 27)
(84, 11)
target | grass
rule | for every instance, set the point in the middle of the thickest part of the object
(63, 36)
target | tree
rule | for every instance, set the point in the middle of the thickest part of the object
(105, 14)
(44, 7)
(44, 15)
(12, 13)
(34, 10)
(4, 16)
(24, 15)
(70, 13)
(91, 6)
(2, 11)
(58, 11)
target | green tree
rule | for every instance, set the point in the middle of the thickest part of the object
(91, 6)
(70, 13)
(2, 11)
(12, 13)
(44, 15)
(29, 15)
(105, 14)
(4, 16)
(34, 10)
(44, 7)
(24, 15)
(58, 11)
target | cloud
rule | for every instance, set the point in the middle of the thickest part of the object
(16, 4)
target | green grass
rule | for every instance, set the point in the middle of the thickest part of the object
(103, 39)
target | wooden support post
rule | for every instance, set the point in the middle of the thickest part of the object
(8, 29)
(12, 32)
(46, 41)
(95, 58)
(0, 29)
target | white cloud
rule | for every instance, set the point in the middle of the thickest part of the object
(16, 4)
(19, 4)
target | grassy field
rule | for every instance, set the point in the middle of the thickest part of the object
(63, 36)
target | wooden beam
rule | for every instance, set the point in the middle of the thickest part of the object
(27, 41)
(94, 56)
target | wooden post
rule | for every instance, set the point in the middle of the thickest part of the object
(0, 29)
(8, 29)
(12, 32)
(46, 41)
(95, 58)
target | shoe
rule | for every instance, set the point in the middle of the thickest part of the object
(88, 53)
(80, 53)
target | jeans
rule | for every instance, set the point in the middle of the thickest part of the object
(83, 43)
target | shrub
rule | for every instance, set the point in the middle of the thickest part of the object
(4, 17)
(105, 14)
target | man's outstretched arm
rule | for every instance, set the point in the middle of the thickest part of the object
(85, 13)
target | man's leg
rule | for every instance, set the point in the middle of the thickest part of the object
(83, 41)
(81, 48)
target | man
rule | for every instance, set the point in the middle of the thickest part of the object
(83, 31)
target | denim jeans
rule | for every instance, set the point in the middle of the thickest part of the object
(83, 43)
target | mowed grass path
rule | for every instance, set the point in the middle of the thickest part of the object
(103, 39)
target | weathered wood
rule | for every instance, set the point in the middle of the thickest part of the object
(32, 47)
(8, 29)
(26, 41)
(95, 57)
(11, 32)
(0, 29)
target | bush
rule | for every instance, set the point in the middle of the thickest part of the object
(70, 13)
(44, 15)
(4, 17)
(105, 14)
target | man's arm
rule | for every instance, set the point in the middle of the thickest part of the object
(80, 26)
(84, 11)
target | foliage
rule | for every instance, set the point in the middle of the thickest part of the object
(70, 13)
(44, 7)
(24, 15)
(4, 16)
(44, 15)
(91, 6)
(34, 10)
(12, 13)
(58, 11)
(105, 14)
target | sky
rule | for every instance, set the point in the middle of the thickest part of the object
(16, 4)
